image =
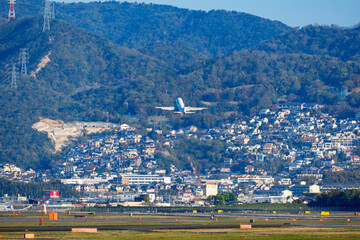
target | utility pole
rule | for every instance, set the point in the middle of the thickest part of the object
(13, 74)
(11, 10)
(23, 60)
(47, 16)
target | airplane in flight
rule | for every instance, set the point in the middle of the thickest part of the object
(180, 108)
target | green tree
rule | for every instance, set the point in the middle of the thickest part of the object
(147, 200)
(221, 198)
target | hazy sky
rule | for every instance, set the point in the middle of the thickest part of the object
(291, 12)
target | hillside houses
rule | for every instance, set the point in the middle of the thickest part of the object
(291, 135)
(267, 154)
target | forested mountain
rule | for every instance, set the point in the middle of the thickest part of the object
(256, 79)
(63, 63)
(320, 67)
(140, 25)
(76, 58)
(173, 55)
(342, 43)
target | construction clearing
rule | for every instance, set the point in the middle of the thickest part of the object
(62, 134)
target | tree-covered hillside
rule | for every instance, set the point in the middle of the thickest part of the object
(173, 54)
(139, 25)
(64, 63)
(76, 58)
(283, 71)
(342, 43)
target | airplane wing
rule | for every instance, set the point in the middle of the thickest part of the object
(166, 108)
(194, 108)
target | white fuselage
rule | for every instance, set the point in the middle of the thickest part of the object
(179, 106)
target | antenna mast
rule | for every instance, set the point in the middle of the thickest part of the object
(11, 10)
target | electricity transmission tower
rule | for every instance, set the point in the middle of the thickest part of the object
(23, 60)
(13, 75)
(47, 16)
(11, 10)
(53, 10)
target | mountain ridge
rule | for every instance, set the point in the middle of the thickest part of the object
(136, 25)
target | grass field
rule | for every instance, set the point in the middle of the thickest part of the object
(301, 228)
(265, 233)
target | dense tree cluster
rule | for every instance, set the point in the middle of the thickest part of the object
(203, 154)
(341, 178)
(35, 190)
(338, 198)
(221, 198)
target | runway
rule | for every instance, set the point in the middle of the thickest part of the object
(150, 223)
(139, 228)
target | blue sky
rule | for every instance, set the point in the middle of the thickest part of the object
(291, 12)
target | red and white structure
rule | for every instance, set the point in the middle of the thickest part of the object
(50, 194)
(11, 10)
